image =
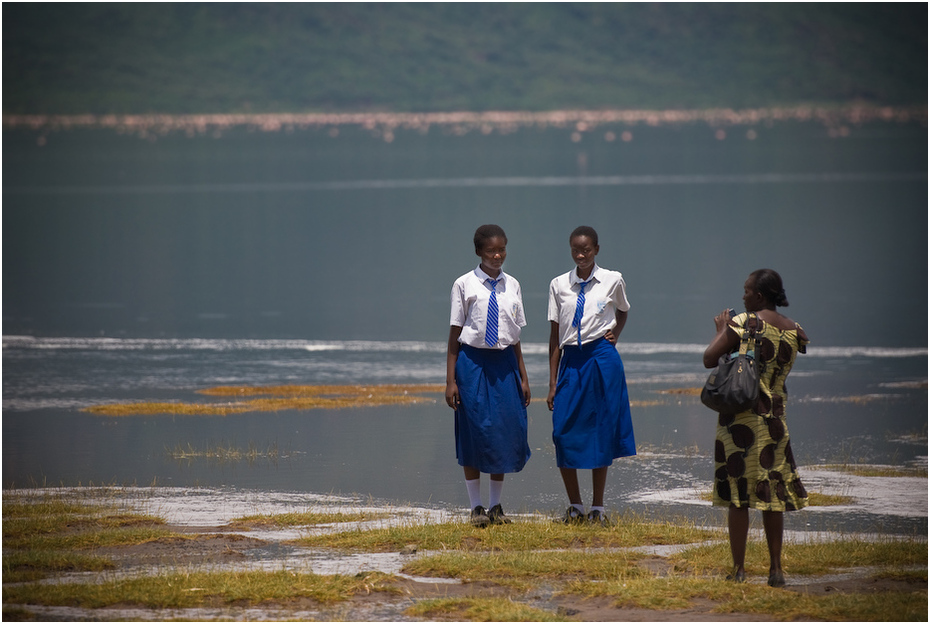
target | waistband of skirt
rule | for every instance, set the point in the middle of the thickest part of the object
(478, 350)
(587, 346)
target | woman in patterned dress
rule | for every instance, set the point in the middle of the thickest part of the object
(754, 465)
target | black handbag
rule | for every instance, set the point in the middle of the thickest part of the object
(733, 386)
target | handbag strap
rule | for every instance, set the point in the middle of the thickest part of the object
(750, 334)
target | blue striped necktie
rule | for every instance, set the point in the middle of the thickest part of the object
(490, 333)
(579, 311)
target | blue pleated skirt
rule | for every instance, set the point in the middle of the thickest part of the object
(591, 422)
(490, 422)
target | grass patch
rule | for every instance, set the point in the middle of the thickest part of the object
(678, 592)
(479, 610)
(629, 529)
(51, 534)
(56, 533)
(274, 398)
(817, 499)
(53, 523)
(306, 518)
(866, 470)
(21, 567)
(814, 499)
(196, 589)
(812, 558)
(526, 568)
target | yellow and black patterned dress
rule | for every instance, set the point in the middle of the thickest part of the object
(754, 465)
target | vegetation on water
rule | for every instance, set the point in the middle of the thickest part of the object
(119, 58)
(274, 398)
(682, 391)
(223, 454)
(520, 558)
(868, 470)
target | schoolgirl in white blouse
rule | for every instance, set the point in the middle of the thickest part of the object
(486, 381)
(591, 422)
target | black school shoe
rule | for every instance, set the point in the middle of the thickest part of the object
(496, 515)
(479, 517)
(572, 516)
(596, 517)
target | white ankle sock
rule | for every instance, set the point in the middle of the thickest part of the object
(600, 509)
(496, 489)
(474, 491)
(580, 508)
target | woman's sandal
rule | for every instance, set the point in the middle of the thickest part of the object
(737, 576)
(777, 579)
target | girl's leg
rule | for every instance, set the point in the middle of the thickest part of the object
(599, 482)
(473, 485)
(497, 486)
(495, 511)
(738, 523)
(570, 479)
(774, 522)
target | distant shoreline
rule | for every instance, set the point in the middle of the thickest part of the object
(462, 122)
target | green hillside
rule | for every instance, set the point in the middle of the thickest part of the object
(198, 58)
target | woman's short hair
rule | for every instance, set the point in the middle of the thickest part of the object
(584, 230)
(769, 285)
(486, 232)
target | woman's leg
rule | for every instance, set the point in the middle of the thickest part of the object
(774, 523)
(738, 524)
(570, 479)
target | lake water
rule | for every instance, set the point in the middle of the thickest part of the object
(305, 235)
(847, 406)
(139, 269)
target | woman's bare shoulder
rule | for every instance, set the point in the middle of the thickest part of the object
(778, 320)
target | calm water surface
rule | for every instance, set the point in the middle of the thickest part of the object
(149, 269)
